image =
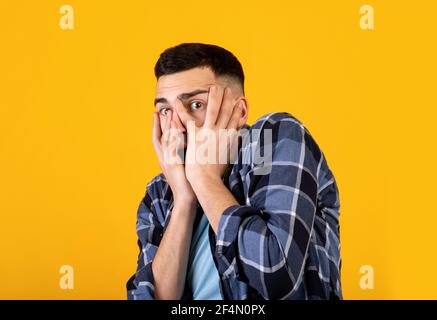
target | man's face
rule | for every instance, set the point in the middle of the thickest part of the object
(191, 88)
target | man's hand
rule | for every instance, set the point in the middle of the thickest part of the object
(169, 267)
(212, 147)
(205, 177)
(166, 144)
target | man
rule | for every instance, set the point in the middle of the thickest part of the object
(240, 228)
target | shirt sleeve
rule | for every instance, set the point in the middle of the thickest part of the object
(141, 285)
(265, 241)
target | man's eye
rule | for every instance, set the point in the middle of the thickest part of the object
(163, 111)
(196, 105)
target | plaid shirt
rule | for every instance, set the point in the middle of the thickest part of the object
(281, 241)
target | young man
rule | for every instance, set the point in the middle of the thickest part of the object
(240, 228)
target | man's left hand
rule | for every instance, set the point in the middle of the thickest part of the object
(212, 147)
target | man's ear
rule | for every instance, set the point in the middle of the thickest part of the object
(244, 104)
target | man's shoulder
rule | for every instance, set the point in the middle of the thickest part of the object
(287, 138)
(275, 119)
(276, 127)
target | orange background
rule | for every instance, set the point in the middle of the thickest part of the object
(76, 115)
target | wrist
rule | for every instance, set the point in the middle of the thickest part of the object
(184, 214)
(204, 181)
(183, 195)
(185, 202)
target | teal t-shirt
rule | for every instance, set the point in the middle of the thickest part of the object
(202, 276)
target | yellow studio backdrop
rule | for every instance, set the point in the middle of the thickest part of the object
(76, 118)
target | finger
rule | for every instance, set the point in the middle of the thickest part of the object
(156, 131)
(172, 135)
(168, 122)
(172, 130)
(156, 136)
(177, 122)
(188, 120)
(226, 109)
(166, 133)
(236, 116)
(175, 132)
(191, 132)
(175, 143)
(215, 98)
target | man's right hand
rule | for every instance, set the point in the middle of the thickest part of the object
(166, 143)
(169, 267)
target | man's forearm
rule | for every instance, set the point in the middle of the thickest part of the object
(214, 197)
(170, 263)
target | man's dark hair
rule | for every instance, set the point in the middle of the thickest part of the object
(187, 56)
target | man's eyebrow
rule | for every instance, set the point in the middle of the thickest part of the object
(182, 96)
(160, 100)
(185, 96)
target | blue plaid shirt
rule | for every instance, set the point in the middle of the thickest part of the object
(281, 241)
